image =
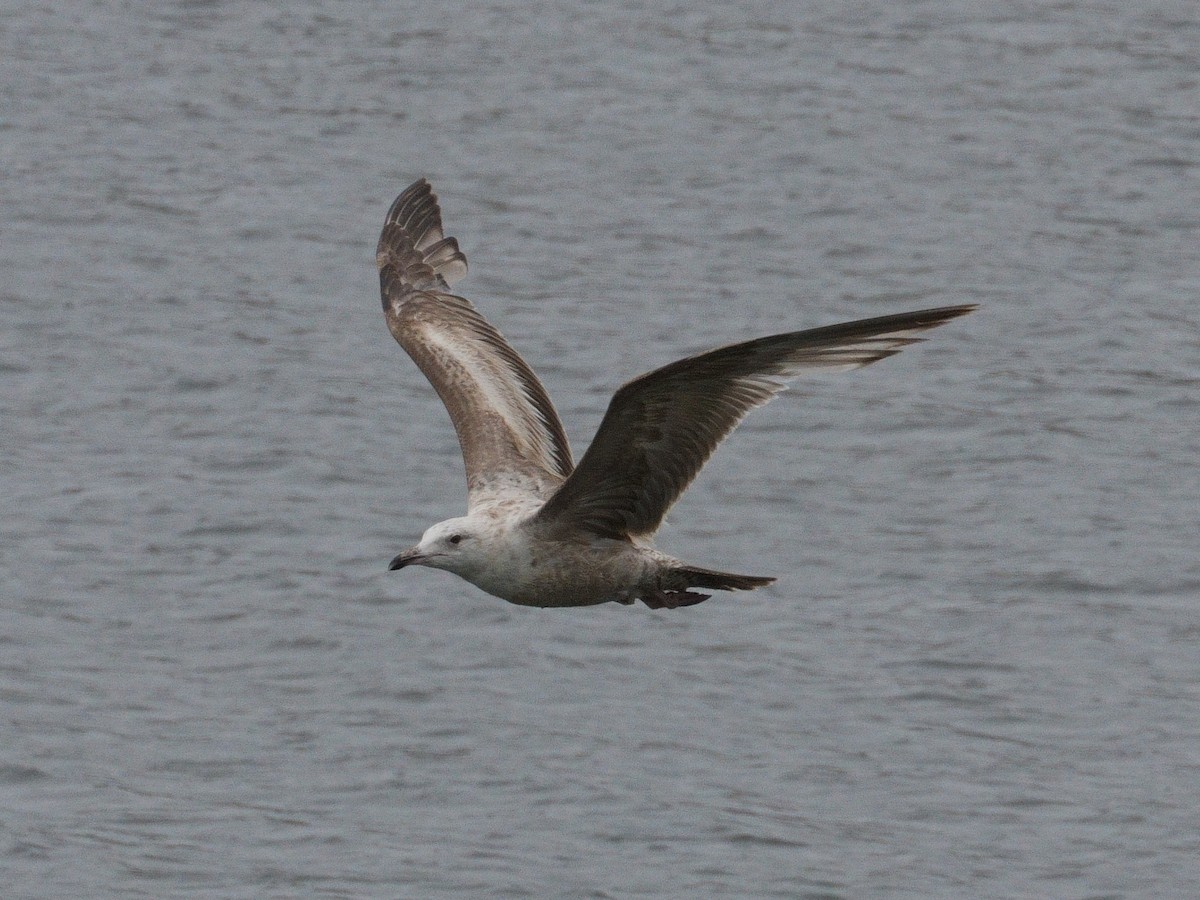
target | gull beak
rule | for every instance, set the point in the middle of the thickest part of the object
(409, 557)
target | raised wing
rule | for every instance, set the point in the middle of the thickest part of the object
(662, 427)
(510, 434)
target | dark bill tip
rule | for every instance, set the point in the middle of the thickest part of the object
(402, 559)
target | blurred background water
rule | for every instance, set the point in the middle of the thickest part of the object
(978, 672)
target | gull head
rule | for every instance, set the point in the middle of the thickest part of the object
(453, 545)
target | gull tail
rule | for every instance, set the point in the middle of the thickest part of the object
(693, 576)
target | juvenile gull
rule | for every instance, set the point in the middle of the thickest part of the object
(539, 530)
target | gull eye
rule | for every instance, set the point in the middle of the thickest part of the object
(456, 538)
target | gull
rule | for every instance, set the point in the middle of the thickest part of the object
(540, 530)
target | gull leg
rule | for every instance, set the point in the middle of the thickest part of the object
(673, 599)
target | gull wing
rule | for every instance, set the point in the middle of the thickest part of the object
(662, 427)
(510, 434)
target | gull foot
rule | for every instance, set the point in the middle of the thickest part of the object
(673, 599)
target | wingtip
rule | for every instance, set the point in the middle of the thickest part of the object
(414, 243)
(419, 188)
(939, 314)
(953, 312)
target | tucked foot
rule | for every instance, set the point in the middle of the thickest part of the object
(673, 599)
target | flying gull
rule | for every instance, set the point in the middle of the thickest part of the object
(540, 530)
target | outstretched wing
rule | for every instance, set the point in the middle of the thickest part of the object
(510, 434)
(662, 427)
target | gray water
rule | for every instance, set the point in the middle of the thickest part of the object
(978, 673)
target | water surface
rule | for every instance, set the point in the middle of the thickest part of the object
(977, 674)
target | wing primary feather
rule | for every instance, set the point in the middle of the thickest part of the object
(414, 243)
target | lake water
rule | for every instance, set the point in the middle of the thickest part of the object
(978, 673)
